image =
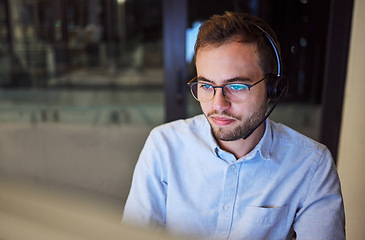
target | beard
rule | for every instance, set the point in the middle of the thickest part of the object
(221, 133)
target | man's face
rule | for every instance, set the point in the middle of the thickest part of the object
(236, 62)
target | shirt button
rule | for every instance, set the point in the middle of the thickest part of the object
(233, 166)
(226, 207)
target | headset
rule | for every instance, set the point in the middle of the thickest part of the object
(277, 85)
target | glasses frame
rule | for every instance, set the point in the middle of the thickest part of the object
(249, 86)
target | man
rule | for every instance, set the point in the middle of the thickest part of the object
(224, 175)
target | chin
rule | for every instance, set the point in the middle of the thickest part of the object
(228, 135)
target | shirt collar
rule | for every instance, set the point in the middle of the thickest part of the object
(263, 147)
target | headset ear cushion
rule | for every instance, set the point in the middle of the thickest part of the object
(277, 87)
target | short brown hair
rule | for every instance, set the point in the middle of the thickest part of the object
(242, 27)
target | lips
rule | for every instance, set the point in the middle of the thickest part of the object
(222, 121)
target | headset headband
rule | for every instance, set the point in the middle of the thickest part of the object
(274, 46)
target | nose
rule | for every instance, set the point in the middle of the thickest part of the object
(219, 102)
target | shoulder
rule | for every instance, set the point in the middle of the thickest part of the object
(179, 133)
(183, 127)
(286, 138)
(177, 140)
(300, 154)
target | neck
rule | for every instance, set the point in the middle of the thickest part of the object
(241, 147)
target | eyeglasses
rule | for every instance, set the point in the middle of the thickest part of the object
(233, 92)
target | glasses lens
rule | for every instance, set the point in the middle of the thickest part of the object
(236, 92)
(202, 92)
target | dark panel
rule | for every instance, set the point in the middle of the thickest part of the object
(175, 23)
(335, 72)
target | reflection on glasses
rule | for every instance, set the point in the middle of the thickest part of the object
(233, 92)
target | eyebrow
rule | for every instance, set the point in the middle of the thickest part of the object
(231, 80)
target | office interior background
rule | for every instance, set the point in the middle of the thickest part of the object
(82, 82)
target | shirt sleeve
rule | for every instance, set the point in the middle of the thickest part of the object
(321, 215)
(146, 203)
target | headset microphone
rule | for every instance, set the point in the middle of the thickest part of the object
(277, 85)
(266, 115)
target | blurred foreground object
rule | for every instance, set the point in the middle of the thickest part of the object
(34, 211)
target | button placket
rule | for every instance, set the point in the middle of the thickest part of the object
(228, 199)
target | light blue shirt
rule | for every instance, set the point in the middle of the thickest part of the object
(183, 182)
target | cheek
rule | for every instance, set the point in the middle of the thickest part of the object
(258, 96)
(205, 108)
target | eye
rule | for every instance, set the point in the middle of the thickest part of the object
(236, 87)
(205, 86)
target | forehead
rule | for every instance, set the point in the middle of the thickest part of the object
(231, 60)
